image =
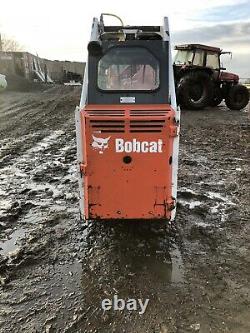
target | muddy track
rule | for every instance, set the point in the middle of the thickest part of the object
(55, 270)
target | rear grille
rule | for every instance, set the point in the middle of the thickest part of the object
(146, 113)
(107, 113)
(136, 121)
(146, 126)
(108, 126)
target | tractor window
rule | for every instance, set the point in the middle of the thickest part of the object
(132, 68)
(213, 60)
(198, 58)
(183, 57)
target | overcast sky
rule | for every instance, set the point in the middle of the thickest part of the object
(60, 29)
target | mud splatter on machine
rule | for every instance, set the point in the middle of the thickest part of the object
(128, 125)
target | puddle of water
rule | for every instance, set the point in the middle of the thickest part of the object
(185, 190)
(74, 210)
(215, 209)
(202, 224)
(223, 216)
(190, 204)
(240, 159)
(177, 275)
(5, 204)
(189, 195)
(3, 193)
(141, 265)
(10, 245)
(66, 148)
(214, 195)
(194, 204)
(165, 267)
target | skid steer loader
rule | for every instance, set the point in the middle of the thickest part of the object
(127, 125)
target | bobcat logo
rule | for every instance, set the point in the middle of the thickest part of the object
(100, 143)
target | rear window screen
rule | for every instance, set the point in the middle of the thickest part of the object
(132, 68)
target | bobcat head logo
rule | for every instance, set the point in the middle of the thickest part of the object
(100, 143)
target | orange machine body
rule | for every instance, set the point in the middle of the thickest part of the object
(127, 152)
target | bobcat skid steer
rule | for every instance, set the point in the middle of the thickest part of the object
(128, 125)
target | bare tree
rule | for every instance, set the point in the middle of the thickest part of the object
(8, 44)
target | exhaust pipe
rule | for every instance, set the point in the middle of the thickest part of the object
(95, 46)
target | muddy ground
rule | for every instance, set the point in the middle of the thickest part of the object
(55, 270)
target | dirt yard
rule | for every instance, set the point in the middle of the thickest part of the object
(56, 270)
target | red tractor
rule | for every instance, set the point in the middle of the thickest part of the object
(200, 80)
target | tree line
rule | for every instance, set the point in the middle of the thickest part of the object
(8, 44)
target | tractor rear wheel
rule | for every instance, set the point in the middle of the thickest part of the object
(217, 97)
(237, 98)
(195, 90)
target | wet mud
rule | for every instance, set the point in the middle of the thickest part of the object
(55, 270)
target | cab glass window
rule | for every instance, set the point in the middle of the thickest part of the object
(183, 57)
(198, 58)
(213, 60)
(131, 68)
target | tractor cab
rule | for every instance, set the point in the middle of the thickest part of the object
(197, 56)
(127, 124)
